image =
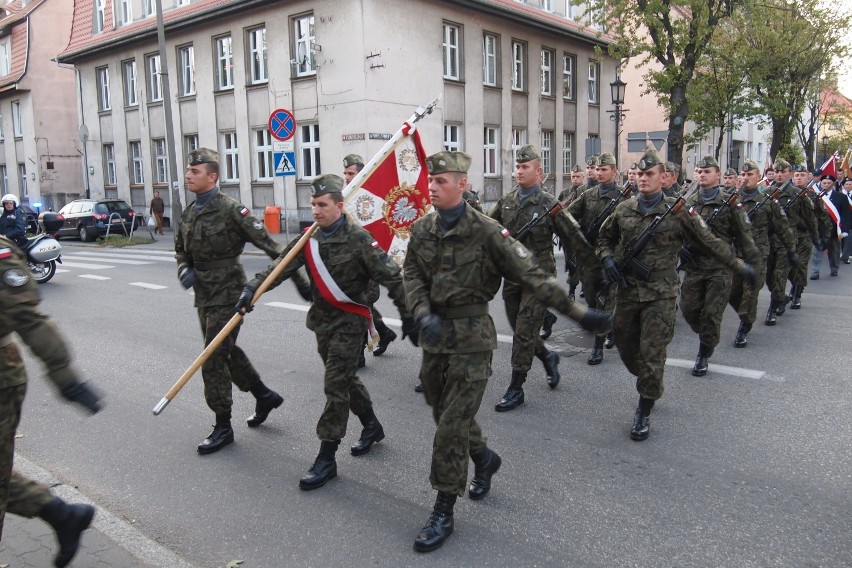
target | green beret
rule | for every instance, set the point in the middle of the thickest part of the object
(650, 159)
(447, 161)
(606, 159)
(202, 156)
(329, 183)
(527, 153)
(730, 172)
(707, 162)
(671, 167)
(353, 160)
(750, 165)
(781, 164)
(592, 161)
(577, 169)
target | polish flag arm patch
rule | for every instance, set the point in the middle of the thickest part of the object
(244, 211)
(5, 253)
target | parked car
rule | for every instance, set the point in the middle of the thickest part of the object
(32, 219)
(90, 218)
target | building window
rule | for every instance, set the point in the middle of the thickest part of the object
(567, 151)
(103, 88)
(148, 7)
(304, 46)
(100, 18)
(5, 63)
(125, 12)
(155, 79)
(594, 68)
(182, 2)
(452, 51)
(23, 185)
(161, 161)
(264, 167)
(547, 57)
(109, 162)
(491, 151)
(2, 137)
(569, 9)
(136, 163)
(310, 144)
(17, 128)
(489, 59)
(129, 72)
(547, 5)
(519, 63)
(257, 55)
(231, 155)
(224, 63)
(190, 143)
(4, 178)
(568, 76)
(545, 151)
(452, 137)
(186, 57)
(519, 140)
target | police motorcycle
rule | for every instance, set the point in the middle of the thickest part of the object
(43, 250)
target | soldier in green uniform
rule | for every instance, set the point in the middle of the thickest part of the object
(729, 181)
(352, 165)
(472, 199)
(633, 175)
(645, 310)
(768, 225)
(806, 231)
(778, 266)
(342, 259)
(19, 314)
(212, 234)
(456, 260)
(706, 289)
(524, 311)
(586, 209)
(671, 187)
(570, 257)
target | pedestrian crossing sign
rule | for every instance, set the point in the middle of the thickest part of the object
(285, 163)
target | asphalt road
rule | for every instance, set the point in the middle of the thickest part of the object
(747, 467)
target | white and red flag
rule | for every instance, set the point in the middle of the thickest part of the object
(394, 196)
(830, 168)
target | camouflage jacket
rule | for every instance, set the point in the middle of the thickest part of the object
(19, 313)
(513, 215)
(824, 224)
(573, 192)
(353, 259)
(662, 252)
(731, 226)
(768, 226)
(800, 214)
(590, 203)
(212, 240)
(455, 274)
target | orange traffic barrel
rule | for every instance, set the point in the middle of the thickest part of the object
(272, 218)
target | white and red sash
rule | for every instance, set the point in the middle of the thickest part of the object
(332, 293)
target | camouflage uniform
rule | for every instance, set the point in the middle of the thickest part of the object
(570, 194)
(803, 224)
(778, 266)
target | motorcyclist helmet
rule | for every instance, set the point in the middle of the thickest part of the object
(9, 197)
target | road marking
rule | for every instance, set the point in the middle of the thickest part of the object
(296, 307)
(85, 265)
(724, 369)
(60, 271)
(97, 258)
(91, 276)
(148, 286)
(139, 256)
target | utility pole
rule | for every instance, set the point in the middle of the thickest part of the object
(176, 206)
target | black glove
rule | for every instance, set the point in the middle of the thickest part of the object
(596, 321)
(749, 275)
(244, 303)
(186, 275)
(686, 257)
(613, 274)
(83, 395)
(411, 330)
(305, 292)
(431, 328)
(792, 258)
(801, 226)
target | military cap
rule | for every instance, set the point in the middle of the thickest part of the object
(707, 162)
(592, 161)
(781, 164)
(527, 153)
(202, 156)
(353, 160)
(817, 172)
(606, 159)
(650, 159)
(750, 165)
(634, 166)
(730, 172)
(577, 169)
(670, 167)
(329, 183)
(799, 168)
(828, 176)
(448, 161)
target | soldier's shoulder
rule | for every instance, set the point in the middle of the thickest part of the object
(424, 223)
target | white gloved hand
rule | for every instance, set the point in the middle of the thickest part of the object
(844, 235)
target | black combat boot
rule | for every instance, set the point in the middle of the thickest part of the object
(782, 306)
(439, 526)
(641, 420)
(324, 468)
(221, 436)
(485, 464)
(266, 402)
(742, 335)
(372, 433)
(514, 396)
(547, 325)
(69, 522)
(418, 387)
(596, 355)
(362, 361)
(610, 341)
(796, 304)
(572, 291)
(386, 335)
(770, 314)
(701, 363)
(550, 360)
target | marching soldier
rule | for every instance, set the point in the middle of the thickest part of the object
(591, 174)
(643, 324)
(768, 225)
(342, 259)
(524, 310)
(585, 209)
(212, 234)
(456, 260)
(729, 181)
(706, 288)
(824, 226)
(19, 314)
(805, 228)
(472, 198)
(778, 266)
(633, 174)
(671, 187)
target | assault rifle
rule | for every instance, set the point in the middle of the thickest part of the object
(687, 256)
(591, 233)
(537, 218)
(769, 195)
(798, 196)
(630, 260)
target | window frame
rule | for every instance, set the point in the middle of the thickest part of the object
(224, 62)
(4, 178)
(110, 177)
(546, 151)
(519, 66)
(137, 170)
(186, 60)
(309, 150)
(102, 82)
(519, 140)
(161, 161)
(308, 66)
(23, 182)
(131, 97)
(17, 126)
(451, 48)
(258, 64)
(5, 58)
(154, 77)
(148, 8)
(451, 145)
(594, 82)
(262, 155)
(190, 143)
(125, 12)
(491, 151)
(547, 71)
(567, 152)
(230, 152)
(99, 20)
(493, 57)
(569, 64)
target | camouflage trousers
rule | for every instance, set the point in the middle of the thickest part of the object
(344, 391)
(642, 332)
(592, 289)
(228, 364)
(453, 384)
(11, 400)
(525, 314)
(743, 298)
(573, 275)
(371, 296)
(799, 272)
(704, 296)
(777, 270)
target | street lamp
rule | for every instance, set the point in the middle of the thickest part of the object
(824, 149)
(617, 89)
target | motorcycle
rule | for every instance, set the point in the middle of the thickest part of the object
(43, 250)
